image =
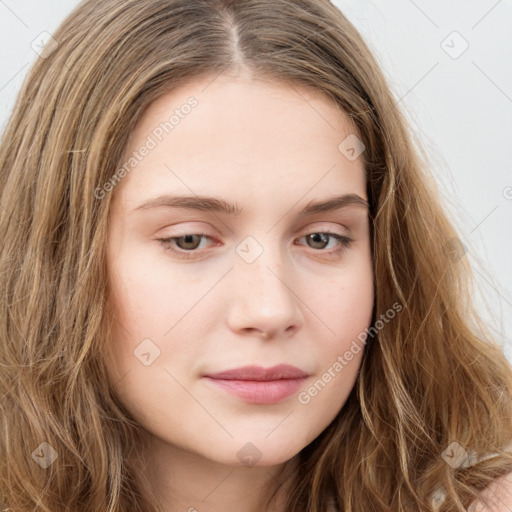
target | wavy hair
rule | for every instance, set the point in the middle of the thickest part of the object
(431, 376)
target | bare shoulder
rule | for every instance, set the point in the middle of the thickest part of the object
(497, 496)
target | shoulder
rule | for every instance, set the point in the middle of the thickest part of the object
(497, 497)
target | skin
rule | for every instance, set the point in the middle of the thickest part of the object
(497, 497)
(270, 148)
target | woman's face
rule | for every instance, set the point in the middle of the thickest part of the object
(264, 286)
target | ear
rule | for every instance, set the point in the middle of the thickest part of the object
(498, 496)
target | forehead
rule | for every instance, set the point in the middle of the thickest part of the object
(230, 136)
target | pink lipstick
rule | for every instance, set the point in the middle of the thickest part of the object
(258, 385)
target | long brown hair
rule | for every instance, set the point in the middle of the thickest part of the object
(431, 376)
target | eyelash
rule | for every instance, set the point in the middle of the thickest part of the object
(345, 242)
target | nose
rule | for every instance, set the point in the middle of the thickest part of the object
(262, 299)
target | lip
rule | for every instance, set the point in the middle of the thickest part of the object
(258, 385)
(258, 373)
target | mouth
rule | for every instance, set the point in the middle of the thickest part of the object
(257, 385)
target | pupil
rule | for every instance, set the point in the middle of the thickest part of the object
(188, 240)
(315, 237)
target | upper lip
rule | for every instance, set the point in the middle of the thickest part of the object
(280, 371)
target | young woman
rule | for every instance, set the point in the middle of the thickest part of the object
(228, 282)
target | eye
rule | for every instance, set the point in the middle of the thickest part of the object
(322, 237)
(187, 245)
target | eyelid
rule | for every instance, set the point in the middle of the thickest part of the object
(319, 227)
(314, 227)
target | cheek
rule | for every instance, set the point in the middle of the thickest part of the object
(155, 309)
(148, 294)
(137, 304)
(348, 303)
(347, 311)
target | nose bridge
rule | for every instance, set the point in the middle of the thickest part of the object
(260, 262)
(263, 297)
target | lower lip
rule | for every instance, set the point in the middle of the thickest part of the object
(260, 392)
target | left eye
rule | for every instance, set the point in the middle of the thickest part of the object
(320, 238)
(190, 243)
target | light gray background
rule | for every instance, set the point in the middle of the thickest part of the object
(459, 103)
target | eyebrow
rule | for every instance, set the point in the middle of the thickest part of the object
(214, 204)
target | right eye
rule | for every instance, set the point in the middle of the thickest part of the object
(189, 241)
